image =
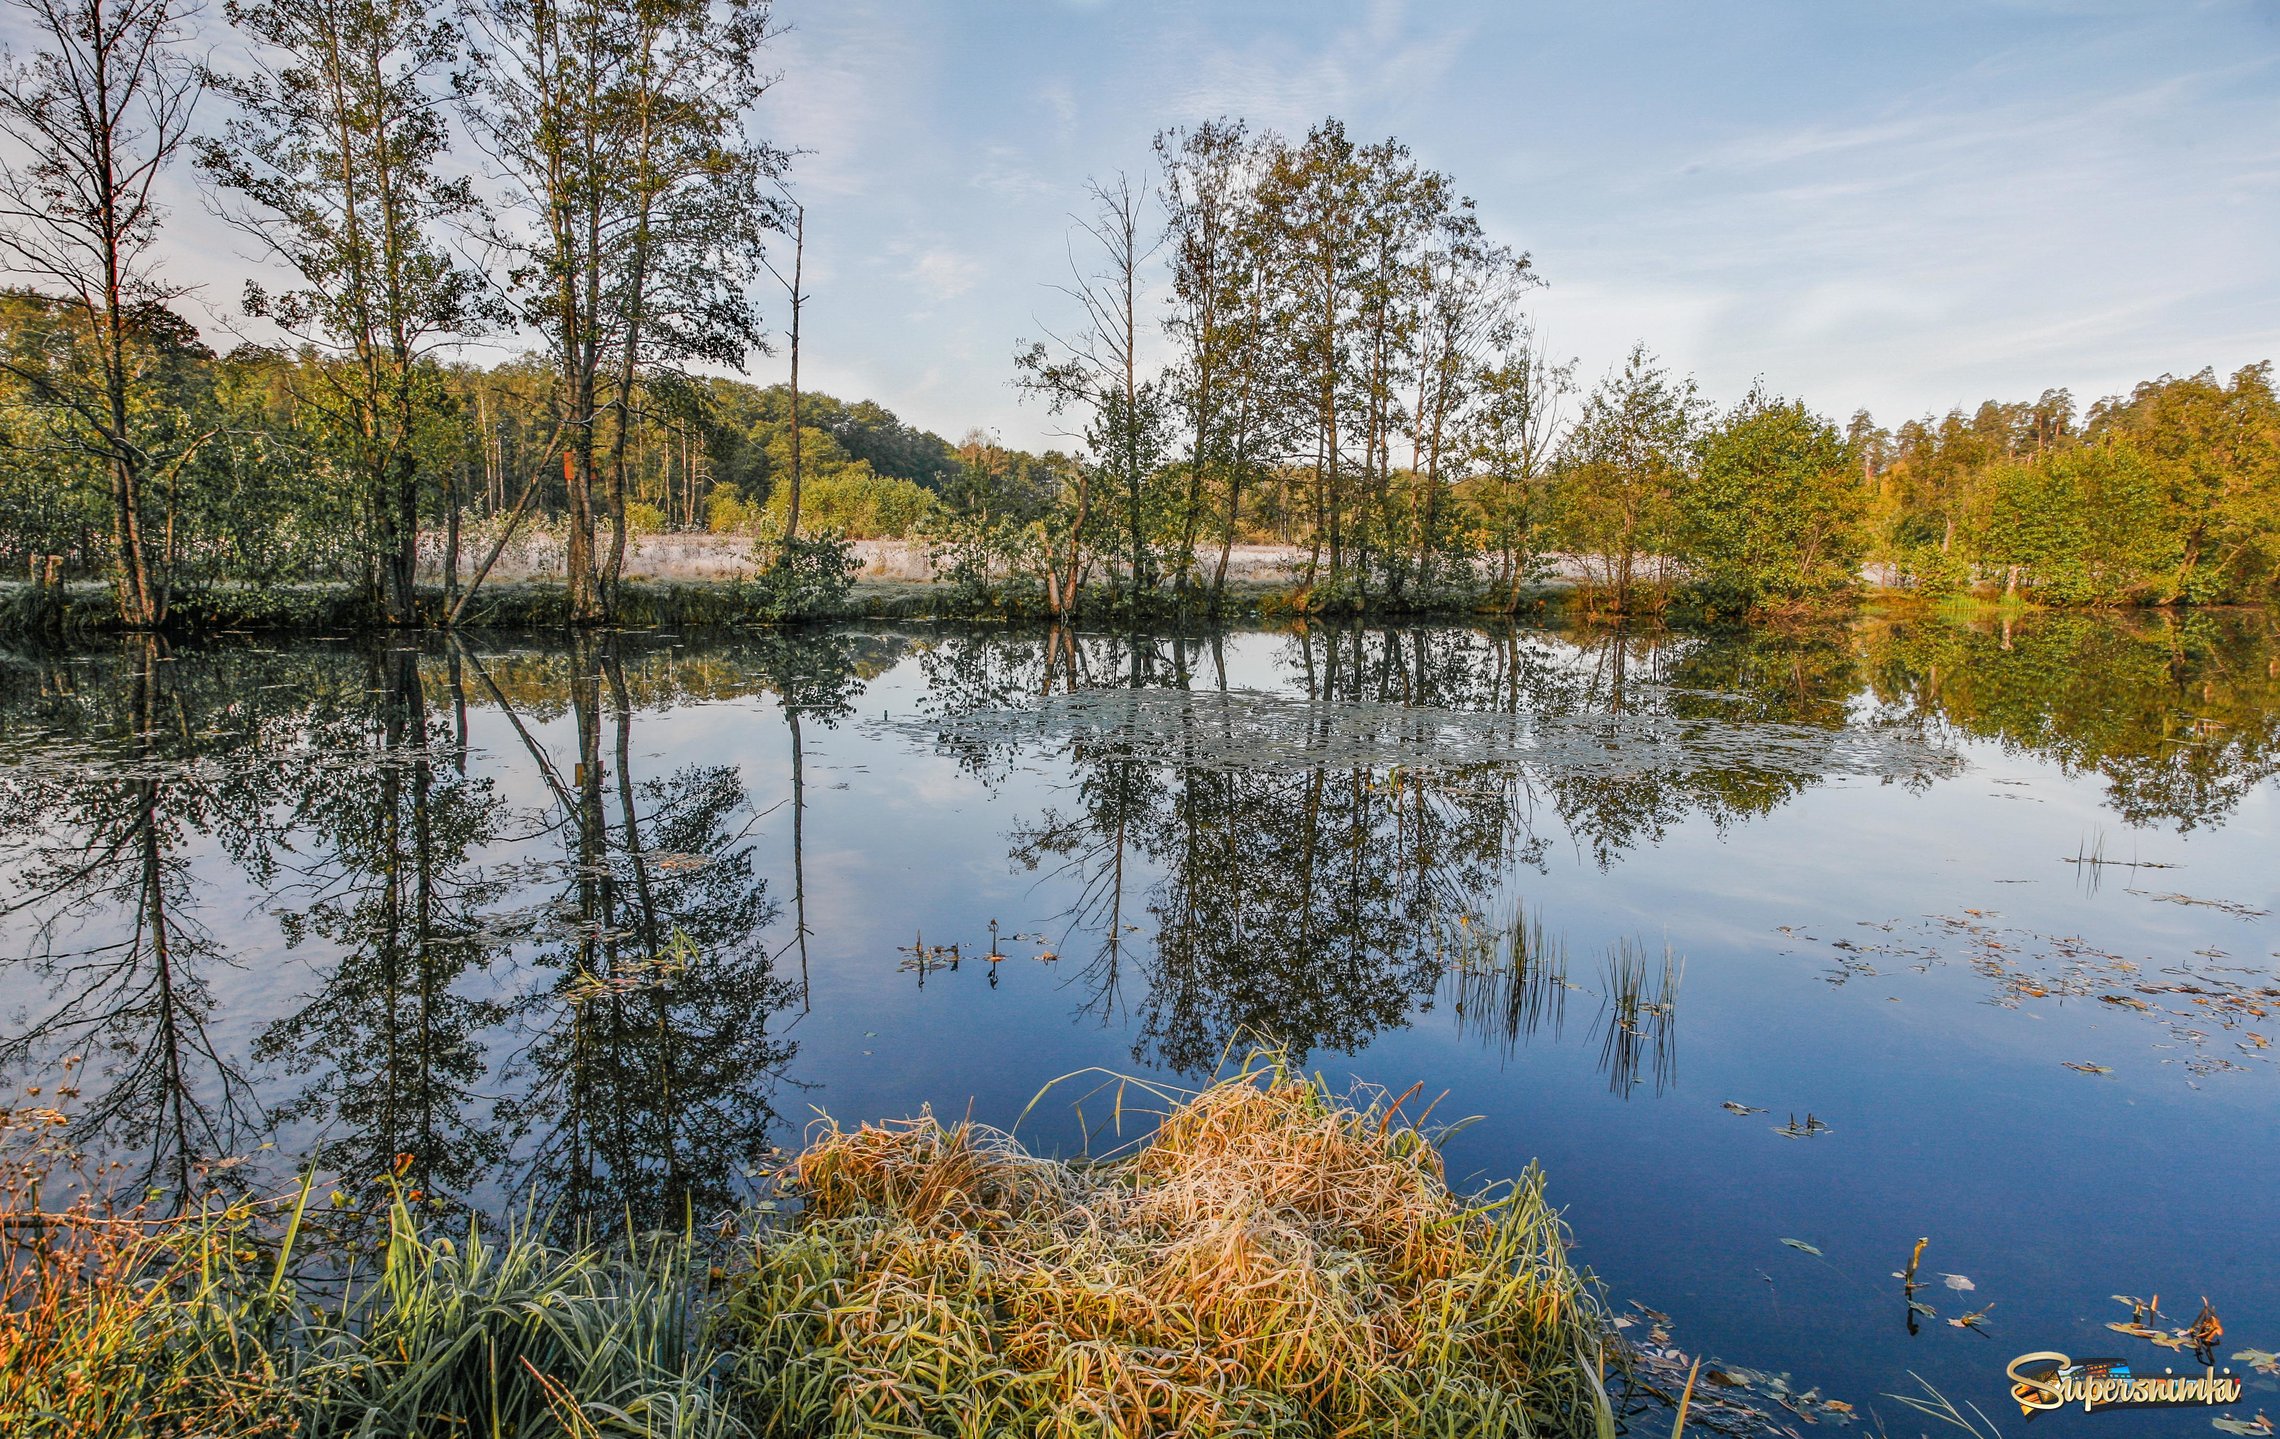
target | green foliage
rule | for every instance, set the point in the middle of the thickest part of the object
(512, 1336)
(1623, 467)
(853, 502)
(2168, 494)
(805, 578)
(1772, 514)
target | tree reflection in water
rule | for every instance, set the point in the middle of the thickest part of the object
(389, 1038)
(643, 1088)
(545, 967)
(98, 829)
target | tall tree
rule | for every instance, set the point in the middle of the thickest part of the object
(1622, 467)
(98, 115)
(1471, 290)
(1313, 197)
(335, 157)
(795, 298)
(621, 130)
(1094, 371)
(1208, 175)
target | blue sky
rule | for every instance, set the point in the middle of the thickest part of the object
(1898, 204)
(1903, 206)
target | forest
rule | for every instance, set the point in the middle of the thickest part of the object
(1311, 342)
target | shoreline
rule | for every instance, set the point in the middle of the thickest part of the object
(87, 611)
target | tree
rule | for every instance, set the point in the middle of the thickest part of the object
(1207, 180)
(2214, 447)
(621, 130)
(336, 153)
(1471, 290)
(1311, 202)
(99, 115)
(1773, 514)
(1095, 371)
(1515, 440)
(795, 296)
(1622, 467)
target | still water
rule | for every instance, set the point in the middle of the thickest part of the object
(1846, 937)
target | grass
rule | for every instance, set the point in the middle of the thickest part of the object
(1506, 982)
(1273, 1259)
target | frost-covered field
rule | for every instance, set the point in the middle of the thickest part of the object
(536, 553)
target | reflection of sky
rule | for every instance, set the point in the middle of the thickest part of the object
(1951, 1117)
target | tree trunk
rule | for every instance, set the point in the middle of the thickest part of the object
(799, 256)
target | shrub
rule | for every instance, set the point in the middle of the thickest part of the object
(806, 578)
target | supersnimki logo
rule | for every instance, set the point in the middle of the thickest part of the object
(2047, 1379)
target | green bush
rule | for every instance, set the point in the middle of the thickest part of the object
(806, 578)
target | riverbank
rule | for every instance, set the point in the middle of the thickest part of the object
(85, 610)
(1272, 1259)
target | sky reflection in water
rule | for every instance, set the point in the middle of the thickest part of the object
(609, 918)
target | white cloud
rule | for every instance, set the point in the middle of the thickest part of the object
(942, 274)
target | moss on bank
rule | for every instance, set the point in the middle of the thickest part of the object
(1273, 1260)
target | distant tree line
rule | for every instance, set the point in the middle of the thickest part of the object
(1313, 342)
(270, 497)
(2170, 493)
(1349, 367)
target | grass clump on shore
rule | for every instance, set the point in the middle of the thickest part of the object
(235, 1319)
(1270, 1261)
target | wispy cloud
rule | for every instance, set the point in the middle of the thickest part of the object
(940, 274)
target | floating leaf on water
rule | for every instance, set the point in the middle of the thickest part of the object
(1918, 1306)
(1732, 1107)
(2263, 1361)
(1958, 1282)
(2259, 1425)
(1801, 1244)
(2089, 1068)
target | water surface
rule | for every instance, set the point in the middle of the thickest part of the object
(1976, 921)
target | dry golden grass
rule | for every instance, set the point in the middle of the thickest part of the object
(1271, 1261)
(113, 1321)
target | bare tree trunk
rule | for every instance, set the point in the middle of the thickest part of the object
(799, 298)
